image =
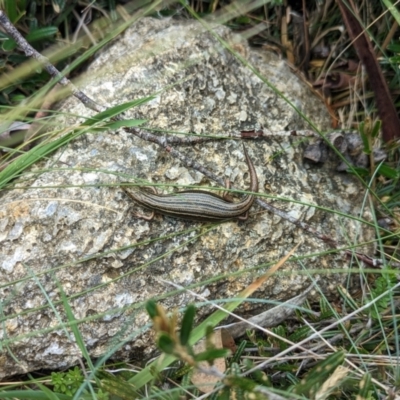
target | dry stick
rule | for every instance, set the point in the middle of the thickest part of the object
(363, 46)
(162, 141)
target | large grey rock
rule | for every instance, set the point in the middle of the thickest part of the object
(66, 225)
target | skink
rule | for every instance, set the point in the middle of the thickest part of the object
(197, 205)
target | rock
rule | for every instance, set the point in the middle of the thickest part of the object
(67, 227)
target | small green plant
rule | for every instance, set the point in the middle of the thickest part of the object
(382, 284)
(67, 382)
(177, 344)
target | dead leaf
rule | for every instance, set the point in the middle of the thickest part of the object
(220, 339)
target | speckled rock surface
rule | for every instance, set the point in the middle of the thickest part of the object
(66, 225)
